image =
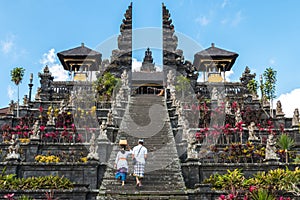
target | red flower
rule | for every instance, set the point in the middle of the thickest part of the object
(231, 196)
(281, 128)
(222, 197)
(9, 196)
(252, 188)
(42, 128)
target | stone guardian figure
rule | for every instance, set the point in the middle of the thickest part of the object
(251, 129)
(295, 120)
(93, 150)
(271, 149)
(13, 149)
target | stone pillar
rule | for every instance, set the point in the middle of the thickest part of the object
(104, 150)
(32, 150)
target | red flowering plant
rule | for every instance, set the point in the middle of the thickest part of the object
(234, 106)
(199, 135)
(260, 129)
(6, 136)
(239, 129)
(227, 131)
(9, 196)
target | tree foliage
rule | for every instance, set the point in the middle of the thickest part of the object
(182, 85)
(270, 81)
(17, 75)
(105, 85)
(252, 86)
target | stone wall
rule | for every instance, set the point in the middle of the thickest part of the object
(195, 172)
(89, 174)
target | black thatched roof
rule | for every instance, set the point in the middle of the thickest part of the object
(80, 55)
(139, 78)
(80, 51)
(214, 53)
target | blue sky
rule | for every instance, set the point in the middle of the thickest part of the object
(264, 33)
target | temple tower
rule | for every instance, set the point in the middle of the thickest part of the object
(121, 58)
(148, 65)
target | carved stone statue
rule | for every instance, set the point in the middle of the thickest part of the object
(110, 118)
(251, 129)
(38, 94)
(103, 135)
(238, 115)
(72, 97)
(35, 130)
(279, 108)
(214, 94)
(11, 108)
(228, 108)
(113, 107)
(118, 100)
(271, 148)
(93, 150)
(124, 79)
(121, 93)
(51, 118)
(25, 100)
(191, 152)
(170, 79)
(13, 149)
(295, 120)
(173, 97)
(62, 106)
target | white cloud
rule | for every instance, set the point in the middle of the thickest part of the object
(11, 92)
(237, 18)
(203, 21)
(7, 44)
(136, 65)
(289, 102)
(228, 74)
(55, 67)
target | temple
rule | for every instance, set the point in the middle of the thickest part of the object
(193, 121)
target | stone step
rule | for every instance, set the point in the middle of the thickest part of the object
(163, 177)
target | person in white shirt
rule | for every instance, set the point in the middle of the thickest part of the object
(139, 153)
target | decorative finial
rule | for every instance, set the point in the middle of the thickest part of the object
(46, 69)
(31, 77)
(82, 44)
(212, 44)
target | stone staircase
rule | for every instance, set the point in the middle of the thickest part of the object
(146, 117)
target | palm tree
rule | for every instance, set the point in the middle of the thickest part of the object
(269, 86)
(17, 75)
(285, 142)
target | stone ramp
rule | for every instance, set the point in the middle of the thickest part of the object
(146, 117)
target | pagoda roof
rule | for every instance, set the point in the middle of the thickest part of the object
(139, 78)
(79, 55)
(215, 54)
(80, 51)
(3, 111)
